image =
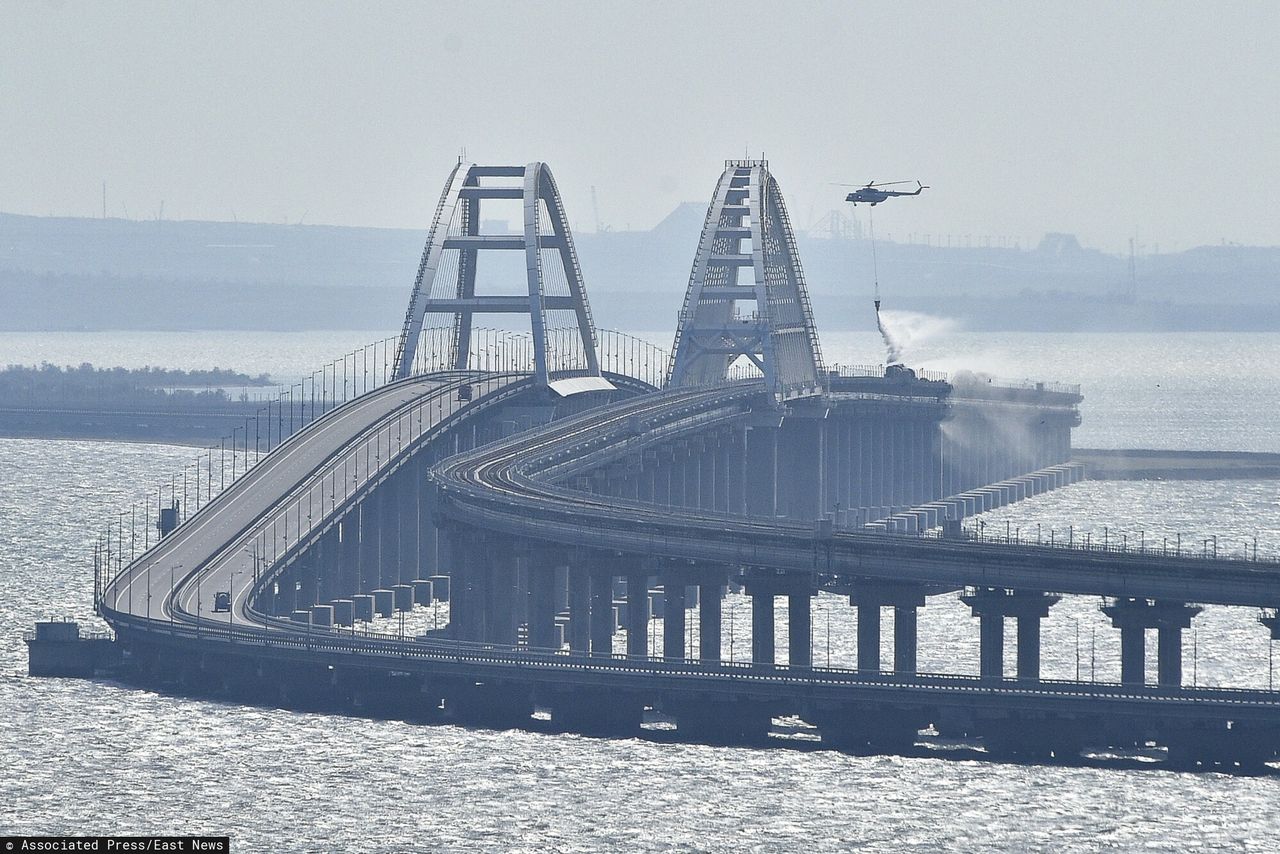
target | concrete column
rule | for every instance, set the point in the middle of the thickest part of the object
(735, 474)
(638, 614)
(1029, 648)
(869, 637)
(602, 622)
(723, 451)
(1169, 649)
(349, 554)
(388, 526)
(991, 605)
(428, 536)
(367, 512)
(762, 468)
(579, 608)
(306, 576)
(762, 640)
(1133, 617)
(1133, 654)
(707, 459)
(673, 645)
(799, 630)
(904, 638)
(991, 646)
(542, 602)
(648, 475)
(709, 613)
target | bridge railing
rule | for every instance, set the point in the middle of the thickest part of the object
(1117, 542)
(137, 529)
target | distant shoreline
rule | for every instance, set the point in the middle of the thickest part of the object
(1157, 464)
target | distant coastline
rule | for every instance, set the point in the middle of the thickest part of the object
(97, 274)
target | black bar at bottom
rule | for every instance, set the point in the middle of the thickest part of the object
(185, 844)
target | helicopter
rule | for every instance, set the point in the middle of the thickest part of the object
(873, 193)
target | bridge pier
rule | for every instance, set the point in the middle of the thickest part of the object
(579, 607)
(637, 611)
(327, 565)
(286, 595)
(602, 622)
(673, 615)
(800, 628)
(542, 599)
(869, 596)
(762, 627)
(991, 605)
(1133, 617)
(762, 586)
(710, 601)
(762, 468)
(388, 531)
(349, 554)
(367, 513)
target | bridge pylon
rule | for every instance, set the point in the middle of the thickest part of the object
(553, 291)
(747, 254)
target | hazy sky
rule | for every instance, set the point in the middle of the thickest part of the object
(1094, 118)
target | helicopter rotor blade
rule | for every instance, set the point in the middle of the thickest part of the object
(892, 183)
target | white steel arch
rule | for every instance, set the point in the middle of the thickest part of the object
(779, 336)
(446, 280)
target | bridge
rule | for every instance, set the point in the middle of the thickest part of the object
(558, 488)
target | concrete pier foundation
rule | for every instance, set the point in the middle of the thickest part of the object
(869, 596)
(384, 602)
(1133, 617)
(362, 606)
(991, 605)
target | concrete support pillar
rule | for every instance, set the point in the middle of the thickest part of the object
(991, 605)
(991, 646)
(579, 608)
(673, 626)
(1133, 654)
(602, 622)
(389, 528)
(428, 540)
(1029, 648)
(762, 633)
(1133, 617)
(870, 595)
(869, 637)
(735, 474)
(904, 638)
(542, 601)
(709, 613)
(349, 554)
(762, 471)
(638, 614)
(707, 459)
(1169, 650)
(799, 630)
(368, 517)
(648, 473)
(723, 450)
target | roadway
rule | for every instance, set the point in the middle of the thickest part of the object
(517, 486)
(294, 491)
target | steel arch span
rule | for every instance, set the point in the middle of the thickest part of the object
(747, 229)
(446, 282)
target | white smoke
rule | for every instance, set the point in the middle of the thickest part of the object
(904, 330)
